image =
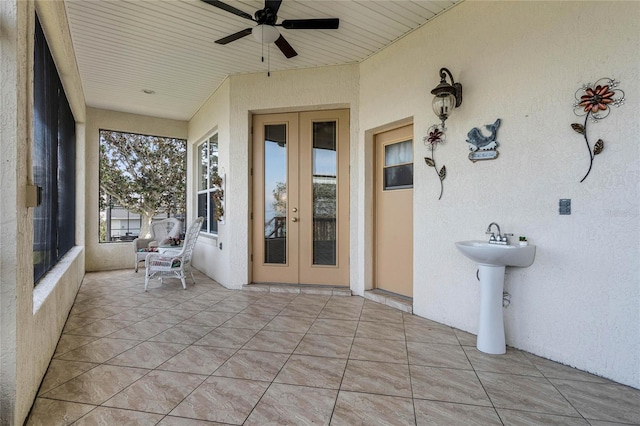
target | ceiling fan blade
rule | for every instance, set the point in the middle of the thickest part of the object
(285, 47)
(234, 37)
(311, 24)
(274, 5)
(231, 9)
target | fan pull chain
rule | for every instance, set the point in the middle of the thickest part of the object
(268, 61)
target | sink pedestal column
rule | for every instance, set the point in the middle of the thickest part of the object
(491, 327)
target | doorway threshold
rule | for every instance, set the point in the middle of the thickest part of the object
(298, 289)
(403, 303)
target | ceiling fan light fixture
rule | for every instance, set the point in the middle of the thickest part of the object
(265, 33)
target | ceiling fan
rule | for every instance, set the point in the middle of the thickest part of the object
(267, 19)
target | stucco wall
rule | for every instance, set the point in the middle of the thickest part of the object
(309, 89)
(31, 318)
(105, 256)
(523, 62)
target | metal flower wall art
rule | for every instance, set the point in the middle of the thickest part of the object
(594, 102)
(436, 136)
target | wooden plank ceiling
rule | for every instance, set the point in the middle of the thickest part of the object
(167, 46)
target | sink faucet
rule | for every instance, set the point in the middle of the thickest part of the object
(492, 238)
(497, 239)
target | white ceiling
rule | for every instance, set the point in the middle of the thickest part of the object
(125, 47)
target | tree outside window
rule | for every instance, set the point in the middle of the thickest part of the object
(142, 177)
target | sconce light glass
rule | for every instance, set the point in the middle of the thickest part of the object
(447, 96)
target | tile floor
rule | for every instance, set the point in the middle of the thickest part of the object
(211, 356)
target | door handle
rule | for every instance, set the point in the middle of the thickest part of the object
(294, 219)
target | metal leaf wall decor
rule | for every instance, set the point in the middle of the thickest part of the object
(436, 136)
(594, 102)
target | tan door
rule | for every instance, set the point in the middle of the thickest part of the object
(301, 198)
(393, 266)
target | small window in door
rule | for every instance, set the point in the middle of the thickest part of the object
(398, 165)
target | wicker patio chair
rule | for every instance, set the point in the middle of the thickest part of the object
(160, 233)
(173, 263)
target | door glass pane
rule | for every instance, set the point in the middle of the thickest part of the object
(398, 153)
(275, 194)
(398, 165)
(325, 166)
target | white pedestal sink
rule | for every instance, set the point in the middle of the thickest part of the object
(492, 260)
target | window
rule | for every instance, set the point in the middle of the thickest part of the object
(398, 165)
(142, 178)
(54, 159)
(208, 184)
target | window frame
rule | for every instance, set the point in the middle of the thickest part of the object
(210, 226)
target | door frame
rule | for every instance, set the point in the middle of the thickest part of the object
(345, 156)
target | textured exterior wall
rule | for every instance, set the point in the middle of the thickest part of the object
(31, 319)
(105, 256)
(212, 117)
(522, 62)
(321, 88)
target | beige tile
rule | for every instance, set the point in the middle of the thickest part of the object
(525, 393)
(322, 345)
(375, 312)
(69, 342)
(274, 341)
(147, 354)
(182, 421)
(96, 385)
(313, 371)
(261, 310)
(229, 305)
(49, 412)
(336, 311)
(291, 324)
(293, 405)
(437, 355)
(244, 320)
(115, 416)
(555, 370)
(226, 337)
(302, 310)
(377, 378)
(598, 401)
(194, 305)
(380, 330)
(99, 350)
(379, 350)
(157, 392)
(101, 311)
(182, 333)
(61, 371)
(171, 316)
(426, 334)
(142, 330)
(101, 327)
(524, 418)
(253, 365)
(363, 409)
(222, 399)
(435, 413)
(334, 327)
(513, 362)
(136, 314)
(465, 338)
(446, 384)
(209, 318)
(198, 360)
(74, 322)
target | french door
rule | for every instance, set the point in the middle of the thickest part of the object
(300, 208)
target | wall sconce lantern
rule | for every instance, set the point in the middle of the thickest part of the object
(447, 96)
